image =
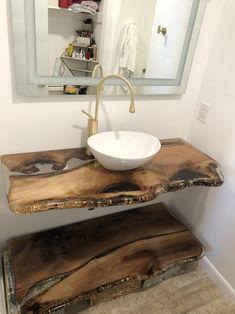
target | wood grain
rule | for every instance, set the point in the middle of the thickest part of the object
(178, 165)
(140, 260)
(97, 259)
(25, 162)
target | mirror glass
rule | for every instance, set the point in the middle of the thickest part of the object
(70, 44)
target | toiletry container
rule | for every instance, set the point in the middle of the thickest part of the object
(94, 48)
(64, 4)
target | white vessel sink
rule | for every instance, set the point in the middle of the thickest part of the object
(123, 150)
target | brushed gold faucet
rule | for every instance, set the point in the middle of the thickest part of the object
(93, 122)
(96, 68)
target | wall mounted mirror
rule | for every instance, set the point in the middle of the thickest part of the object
(62, 47)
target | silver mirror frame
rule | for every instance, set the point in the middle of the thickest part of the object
(30, 83)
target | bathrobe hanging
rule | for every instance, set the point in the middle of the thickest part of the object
(128, 50)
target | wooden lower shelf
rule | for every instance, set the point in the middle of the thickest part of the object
(94, 261)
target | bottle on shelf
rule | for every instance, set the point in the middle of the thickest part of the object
(69, 50)
(83, 54)
(94, 48)
(64, 4)
(88, 55)
(80, 54)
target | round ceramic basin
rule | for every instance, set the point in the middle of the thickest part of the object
(123, 150)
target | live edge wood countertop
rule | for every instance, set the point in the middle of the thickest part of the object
(71, 180)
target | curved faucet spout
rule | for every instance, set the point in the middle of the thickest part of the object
(93, 122)
(99, 87)
(96, 68)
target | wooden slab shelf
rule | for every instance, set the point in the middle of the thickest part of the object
(94, 261)
(178, 165)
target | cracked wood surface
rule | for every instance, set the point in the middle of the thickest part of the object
(177, 165)
(99, 259)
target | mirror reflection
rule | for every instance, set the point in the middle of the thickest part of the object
(66, 46)
(133, 38)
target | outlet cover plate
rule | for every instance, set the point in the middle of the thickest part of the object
(203, 112)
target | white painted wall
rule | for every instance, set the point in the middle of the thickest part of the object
(31, 124)
(211, 212)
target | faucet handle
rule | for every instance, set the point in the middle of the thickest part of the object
(86, 113)
(92, 124)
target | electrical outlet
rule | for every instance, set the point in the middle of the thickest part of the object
(203, 112)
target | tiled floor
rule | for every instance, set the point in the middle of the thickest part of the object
(192, 293)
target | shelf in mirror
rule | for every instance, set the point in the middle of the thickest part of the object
(61, 9)
(81, 70)
(97, 17)
(68, 10)
(76, 59)
(80, 46)
(75, 65)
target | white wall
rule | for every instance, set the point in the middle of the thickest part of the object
(31, 124)
(211, 212)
